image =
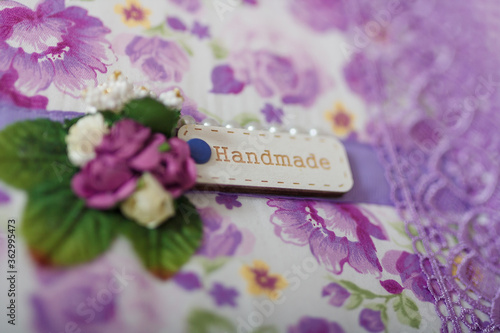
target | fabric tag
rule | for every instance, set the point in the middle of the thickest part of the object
(239, 160)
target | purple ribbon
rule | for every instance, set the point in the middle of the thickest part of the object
(370, 184)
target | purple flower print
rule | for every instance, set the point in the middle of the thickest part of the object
(371, 320)
(97, 297)
(159, 59)
(176, 24)
(9, 94)
(392, 286)
(221, 237)
(224, 296)
(52, 44)
(407, 266)
(336, 233)
(228, 200)
(296, 80)
(315, 325)
(187, 280)
(272, 114)
(356, 74)
(4, 197)
(336, 293)
(199, 30)
(320, 15)
(188, 5)
(223, 81)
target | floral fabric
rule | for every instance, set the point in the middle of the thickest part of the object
(266, 264)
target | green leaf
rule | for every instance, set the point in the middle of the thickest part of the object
(245, 118)
(70, 122)
(266, 329)
(60, 230)
(211, 265)
(165, 249)
(203, 321)
(353, 302)
(218, 50)
(355, 289)
(111, 117)
(407, 311)
(153, 114)
(32, 152)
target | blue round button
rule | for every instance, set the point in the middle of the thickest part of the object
(200, 151)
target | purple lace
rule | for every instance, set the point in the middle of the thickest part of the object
(431, 79)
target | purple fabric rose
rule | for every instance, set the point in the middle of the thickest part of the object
(159, 59)
(320, 15)
(52, 44)
(176, 170)
(371, 320)
(104, 181)
(336, 233)
(315, 325)
(336, 293)
(126, 138)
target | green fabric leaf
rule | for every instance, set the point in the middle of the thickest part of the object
(32, 152)
(110, 117)
(407, 311)
(60, 230)
(153, 114)
(165, 249)
(354, 301)
(203, 321)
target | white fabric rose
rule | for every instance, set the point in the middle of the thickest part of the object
(150, 205)
(84, 136)
(172, 98)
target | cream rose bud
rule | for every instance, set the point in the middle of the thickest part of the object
(84, 136)
(150, 205)
(172, 98)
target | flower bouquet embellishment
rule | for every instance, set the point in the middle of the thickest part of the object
(114, 171)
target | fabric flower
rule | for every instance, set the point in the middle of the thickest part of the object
(104, 181)
(371, 320)
(126, 138)
(337, 234)
(341, 120)
(315, 325)
(133, 14)
(150, 205)
(228, 200)
(172, 98)
(84, 136)
(336, 293)
(52, 45)
(110, 95)
(223, 295)
(261, 281)
(320, 15)
(159, 59)
(176, 170)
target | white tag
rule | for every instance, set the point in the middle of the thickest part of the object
(276, 163)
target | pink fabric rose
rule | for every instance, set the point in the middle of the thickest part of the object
(177, 170)
(125, 139)
(104, 181)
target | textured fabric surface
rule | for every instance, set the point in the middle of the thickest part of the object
(416, 81)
